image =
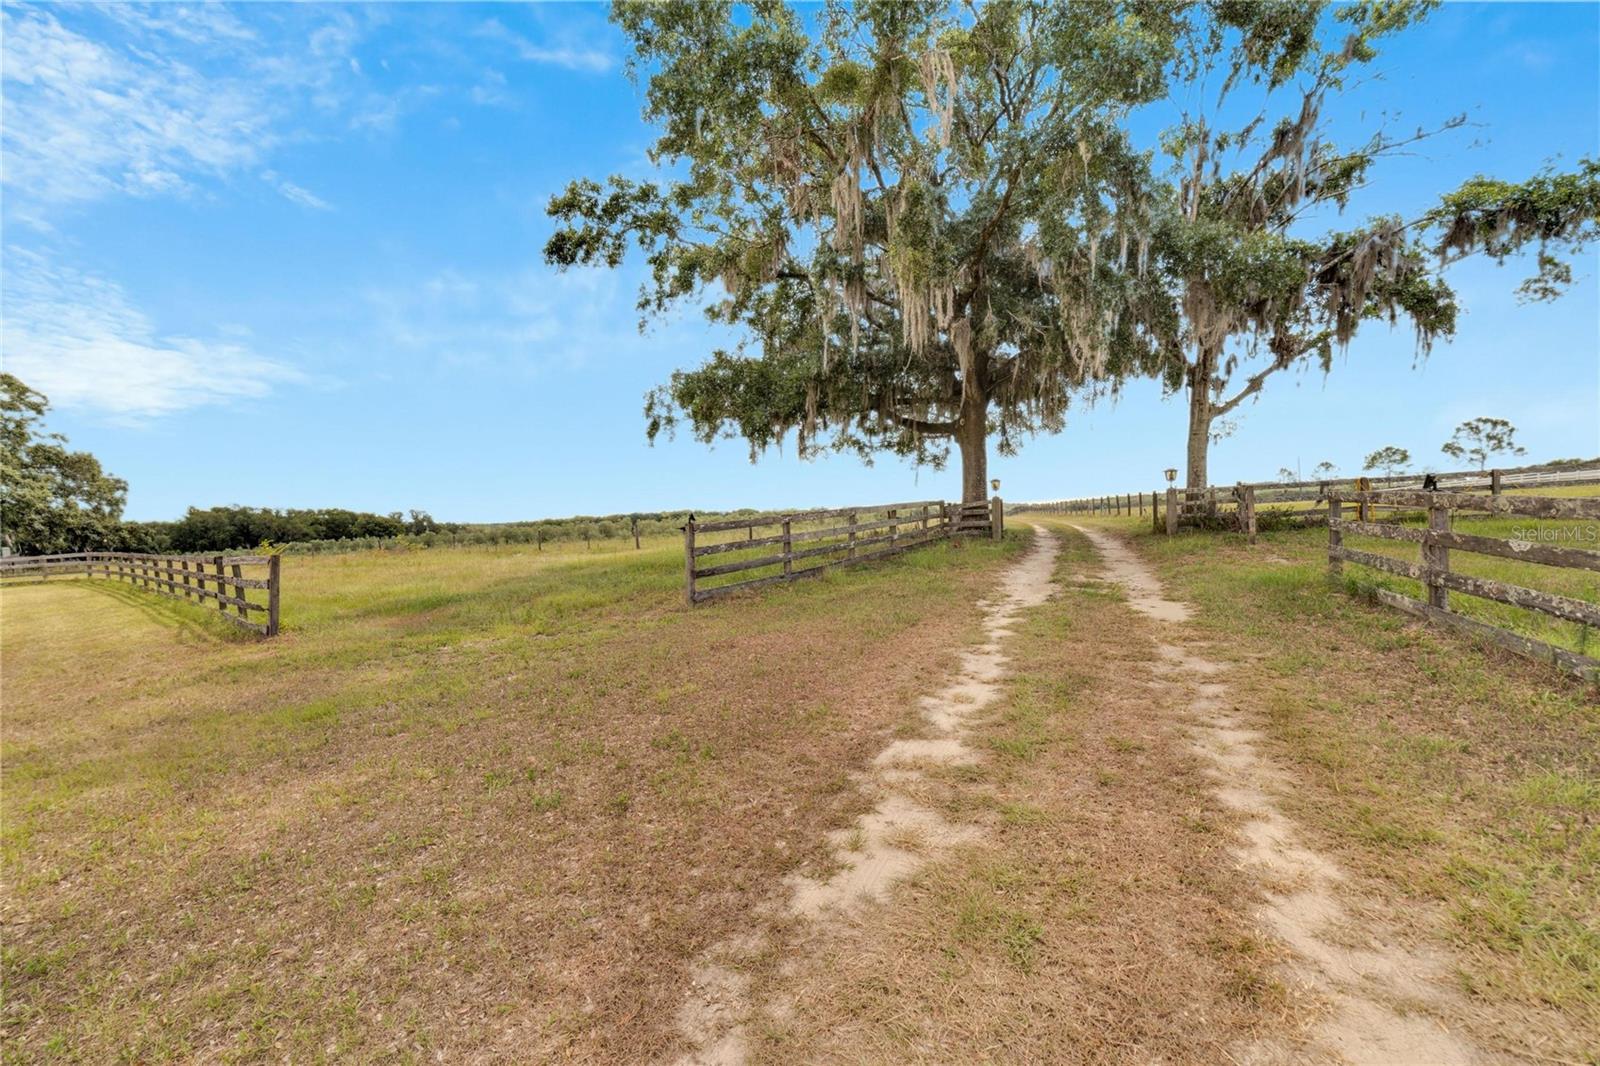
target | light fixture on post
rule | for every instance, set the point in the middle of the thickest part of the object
(1172, 475)
(994, 483)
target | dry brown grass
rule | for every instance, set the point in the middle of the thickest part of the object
(1460, 784)
(476, 805)
(1101, 917)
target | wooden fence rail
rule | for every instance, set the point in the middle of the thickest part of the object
(807, 542)
(198, 578)
(1432, 569)
(1221, 503)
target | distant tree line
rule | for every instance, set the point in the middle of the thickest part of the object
(56, 500)
(229, 528)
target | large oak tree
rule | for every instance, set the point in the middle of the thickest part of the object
(925, 219)
(1243, 237)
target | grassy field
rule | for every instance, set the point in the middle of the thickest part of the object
(1463, 780)
(1578, 584)
(473, 803)
(489, 804)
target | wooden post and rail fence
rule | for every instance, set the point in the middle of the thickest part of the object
(1439, 580)
(196, 578)
(786, 547)
(1240, 506)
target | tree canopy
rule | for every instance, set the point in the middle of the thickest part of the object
(1480, 439)
(929, 221)
(925, 219)
(1261, 284)
(51, 499)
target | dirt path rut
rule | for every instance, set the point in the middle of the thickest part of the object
(1377, 995)
(888, 843)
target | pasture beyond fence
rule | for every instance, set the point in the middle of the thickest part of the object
(1237, 505)
(197, 578)
(809, 543)
(1433, 568)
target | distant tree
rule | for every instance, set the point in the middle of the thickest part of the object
(1481, 438)
(1390, 459)
(1285, 474)
(1324, 470)
(421, 522)
(51, 499)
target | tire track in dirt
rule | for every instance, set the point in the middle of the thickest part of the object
(1376, 996)
(888, 843)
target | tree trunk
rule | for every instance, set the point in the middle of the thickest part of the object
(973, 437)
(1199, 442)
(1201, 413)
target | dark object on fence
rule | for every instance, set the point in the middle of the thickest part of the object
(891, 528)
(181, 577)
(1433, 568)
(1430, 482)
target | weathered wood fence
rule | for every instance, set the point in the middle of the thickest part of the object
(198, 578)
(1238, 506)
(808, 543)
(1433, 567)
(1125, 503)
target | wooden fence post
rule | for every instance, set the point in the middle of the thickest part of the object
(221, 606)
(997, 518)
(894, 527)
(688, 560)
(788, 549)
(1172, 512)
(1335, 535)
(850, 552)
(1436, 559)
(1494, 482)
(635, 532)
(1363, 508)
(1247, 512)
(273, 584)
(238, 590)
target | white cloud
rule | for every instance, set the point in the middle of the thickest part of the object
(77, 339)
(81, 120)
(163, 100)
(290, 191)
(569, 53)
(491, 90)
(526, 322)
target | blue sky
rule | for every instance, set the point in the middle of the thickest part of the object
(290, 256)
